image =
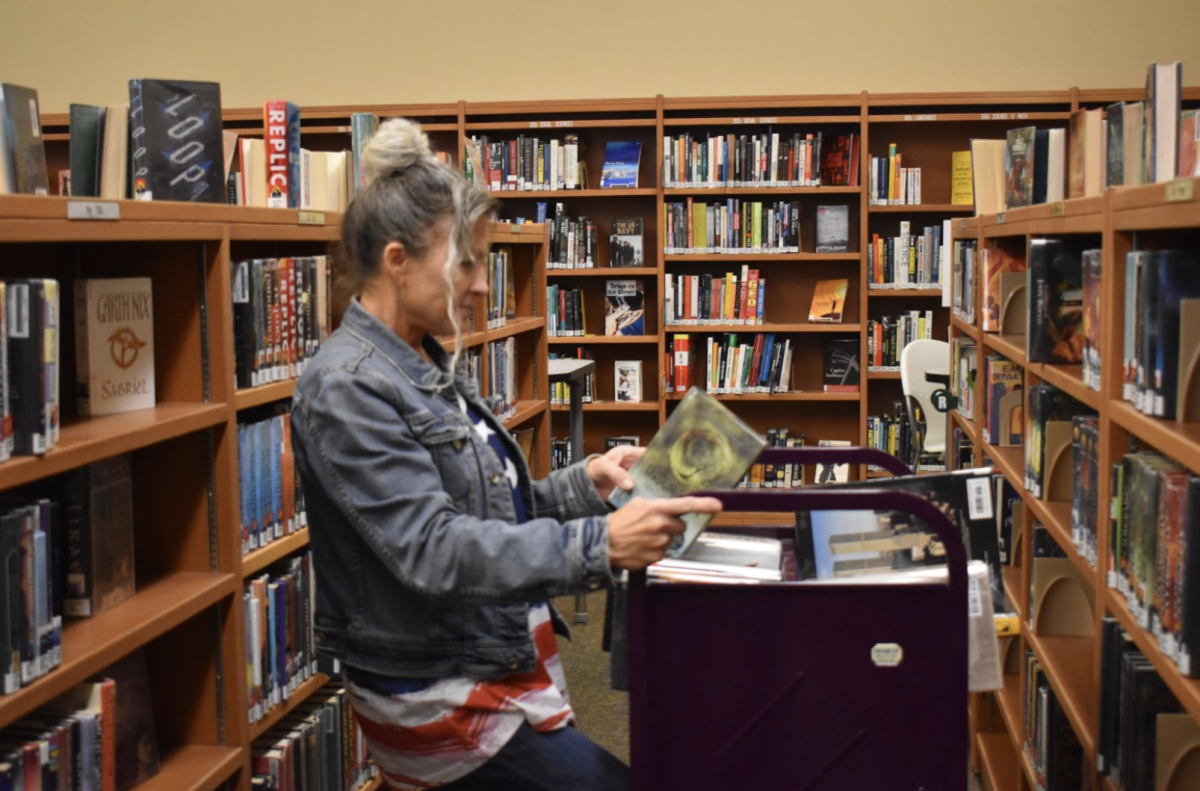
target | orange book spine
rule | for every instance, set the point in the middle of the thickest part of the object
(682, 354)
(808, 160)
(288, 474)
(108, 734)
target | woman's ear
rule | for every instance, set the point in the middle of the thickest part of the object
(395, 259)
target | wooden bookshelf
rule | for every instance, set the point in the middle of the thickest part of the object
(195, 767)
(274, 715)
(280, 548)
(264, 394)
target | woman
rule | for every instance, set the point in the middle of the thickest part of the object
(435, 554)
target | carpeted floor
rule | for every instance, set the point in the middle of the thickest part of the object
(603, 714)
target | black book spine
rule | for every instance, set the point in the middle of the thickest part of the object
(243, 324)
(1189, 598)
(27, 380)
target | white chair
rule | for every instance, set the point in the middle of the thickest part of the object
(925, 369)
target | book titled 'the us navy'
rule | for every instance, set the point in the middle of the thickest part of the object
(175, 150)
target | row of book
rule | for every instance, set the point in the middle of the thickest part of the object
(502, 287)
(762, 159)
(564, 312)
(888, 335)
(280, 645)
(272, 498)
(574, 242)
(1049, 428)
(529, 163)
(761, 363)
(1050, 744)
(908, 260)
(714, 299)
(281, 316)
(893, 184)
(735, 226)
(1085, 494)
(964, 356)
(1144, 733)
(962, 296)
(319, 746)
(893, 434)
(1034, 166)
(1153, 558)
(502, 377)
(1162, 308)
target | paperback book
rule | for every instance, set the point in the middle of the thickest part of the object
(841, 366)
(628, 384)
(621, 162)
(702, 446)
(625, 243)
(829, 301)
(1054, 302)
(833, 229)
(624, 308)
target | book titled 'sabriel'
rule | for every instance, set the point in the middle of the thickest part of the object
(114, 345)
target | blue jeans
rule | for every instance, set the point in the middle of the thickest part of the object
(562, 760)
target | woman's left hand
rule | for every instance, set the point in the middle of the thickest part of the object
(611, 470)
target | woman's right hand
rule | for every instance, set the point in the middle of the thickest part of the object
(640, 531)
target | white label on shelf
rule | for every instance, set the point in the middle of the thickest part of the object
(1058, 209)
(887, 654)
(311, 218)
(1000, 218)
(1179, 190)
(979, 498)
(924, 117)
(750, 120)
(93, 210)
(768, 119)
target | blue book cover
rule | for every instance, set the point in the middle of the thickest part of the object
(621, 160)
(275, 432)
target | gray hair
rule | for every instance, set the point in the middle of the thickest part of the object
(409, 192)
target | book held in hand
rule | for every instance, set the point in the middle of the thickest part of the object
(114, 345)
(624, 310)
(829, 301)
(703, 446)
(621, 161)
(625, 242)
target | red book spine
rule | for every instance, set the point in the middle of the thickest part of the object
(682, 354)
(278, 188)
(742, 291)
(756, 360)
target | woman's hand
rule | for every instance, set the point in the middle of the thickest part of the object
(640, 531)
(612, 469)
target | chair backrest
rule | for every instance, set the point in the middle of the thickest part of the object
(918, 359)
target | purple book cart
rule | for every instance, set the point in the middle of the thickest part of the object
(803, 686)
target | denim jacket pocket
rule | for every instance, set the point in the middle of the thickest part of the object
(449, 443)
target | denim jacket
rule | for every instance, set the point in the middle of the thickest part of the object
(420, 569)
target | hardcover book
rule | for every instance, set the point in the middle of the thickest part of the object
(624, 309)
(961, 193)
(1092, 268)
(87, 144)
(841, 366)
(833, 229)
(1054, 303)
(621, 161)
(702, 446)
(137, 741)
(1004, 402)
(996, 262)
(177, 146)
(1086, 148)
(625, 242)
(282, 124)
(21, 145)
(114, 345)
(99, 546)
(628, 384)
(829, 301)
(1019, 165)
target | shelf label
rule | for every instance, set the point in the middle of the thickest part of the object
(925, 117)
(311, 218)
(1058, 209)
(1179, 190)
(887, 654)
(1000, 218)
(1003, 116)
(766, 119)
(551, 124)
(93, 210)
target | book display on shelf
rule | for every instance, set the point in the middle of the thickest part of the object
(178, 128)
(624, 307)
(114, 345)
(621, 163)
(22, 149)
(625, 244)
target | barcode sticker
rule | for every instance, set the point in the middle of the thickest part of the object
(974, 598)
(979, 499)
(33, 118)
(241, 283)
(18, 310)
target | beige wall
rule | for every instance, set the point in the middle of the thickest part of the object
(389, 51)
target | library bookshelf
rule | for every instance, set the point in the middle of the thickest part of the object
(1120, 221)
(187, 613)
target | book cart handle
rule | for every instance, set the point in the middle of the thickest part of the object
(819, 455)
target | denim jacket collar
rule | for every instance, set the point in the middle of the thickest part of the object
(425, 376)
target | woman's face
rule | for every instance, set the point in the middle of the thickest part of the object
(424, 298)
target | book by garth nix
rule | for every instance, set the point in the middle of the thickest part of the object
(114, 345)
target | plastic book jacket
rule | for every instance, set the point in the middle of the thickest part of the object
(702, 446)
(621, 161)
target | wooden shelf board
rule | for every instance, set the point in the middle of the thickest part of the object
(1010, 701)
(1010, 462)
(874, 293)
(881, 375)
(1001, 770)
(469, 339)
(756, 121)
(1068, 664)
(761, 257)
(966, 329)
(548, 195)
(273, 716)
(1059, 212)
(87, 440)
(1180, 441)
(284, 233)
(561, 126)
(1069, 379)
(526, 411)
(512, 233)
(263, 394)
(733, 191)
(587, 340)
(752, 519)
(1004, 229)
(1187, 690)
(927, 208)
(162, 213)
(1009, 117)
(1056, 516)
(1011, 346)
(744, 104)
(92, 644)
(813, 396)
(102, 231)
(516, 327)
(1011, 579)
(605, 271)
(803, 326)
(1146, 207)
(967, 426)
(194, 767)
(611, 406)
(259, 559)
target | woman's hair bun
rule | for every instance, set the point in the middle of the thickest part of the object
(397, 145)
